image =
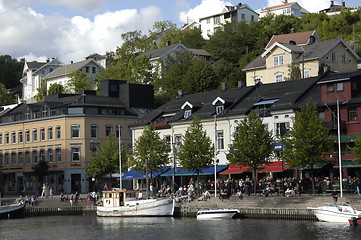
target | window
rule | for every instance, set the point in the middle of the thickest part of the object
(20, 136)
(35, 157)
(243, 16)
(75, 154)
(219, 109)
(108, 130)
(58, 133)
(278, 60)
(343, 57)
(87, 69)
(20, 158)
(333, 57)
(1, 139)
(279, 77)
(13, 158)
(339, 87)
(42, 155)
(27, 158)
(252, 18)
(94, 131)
(42, 134)
(306, 73)
(58, 155)
(27, 135)
(187, 113)
(35, 135)
(217, 19)
(282, 128)
(220, 139)
(50, 133)
(13, 137)
(167, 141)
(177, 142)
(330, 87)
(28, 114)
(130, 136)
(352, 114)
(50, 155)
(75, 131)
(1, 159)
(6, 138)
(6, 159)
(74, 110)
(45, 111)
(94, 147)
(257, 79)
(94, 70)
(119, 132)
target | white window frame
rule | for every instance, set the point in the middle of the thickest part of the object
(278, 60)
(187, 113)
(75, 154)
(279, 77)
(220, 139)
(75, 131)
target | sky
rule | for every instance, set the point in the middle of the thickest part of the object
(73, 29)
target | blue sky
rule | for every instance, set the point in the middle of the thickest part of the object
(73, 29)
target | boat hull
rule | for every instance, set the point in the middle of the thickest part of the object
(143, 208)
(12, 211)
(328, 215)
(216, 214)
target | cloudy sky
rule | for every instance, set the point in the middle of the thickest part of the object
(73, 29)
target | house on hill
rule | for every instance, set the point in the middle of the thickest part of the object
(287, 8)
(302, 52)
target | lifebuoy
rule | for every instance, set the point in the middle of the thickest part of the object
(107, 201)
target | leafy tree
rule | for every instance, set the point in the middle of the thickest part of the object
(105, 160)
(10, 71)
(252, 145)
(56, 88)
(294, 71)
(356, 150)
(40, 170)
(6, 97)
(79, 81)
(149, 152)
(40, 96)
(302, 149)
(196, 151)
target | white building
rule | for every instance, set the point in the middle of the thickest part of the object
(287, 8)
(238, 13)
(33, 73)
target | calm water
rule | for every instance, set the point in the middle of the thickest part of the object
(91, 227)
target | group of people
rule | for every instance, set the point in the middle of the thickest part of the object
(31, 201)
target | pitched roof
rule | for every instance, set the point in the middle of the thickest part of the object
(277, 6)
(300, 38)
(66, 69)
(35, 65)
(156, 53)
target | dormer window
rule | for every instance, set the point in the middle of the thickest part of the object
(219, 109)
(187, 113)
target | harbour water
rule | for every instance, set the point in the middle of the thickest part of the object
(92, 227)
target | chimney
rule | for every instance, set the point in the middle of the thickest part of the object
(343, 4)
(331, 3)
(71, 62)
(48, 60)
(167, 43)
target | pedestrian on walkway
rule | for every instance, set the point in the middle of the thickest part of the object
(334, 195)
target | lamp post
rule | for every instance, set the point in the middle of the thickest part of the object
(120, 160)
(215, 156)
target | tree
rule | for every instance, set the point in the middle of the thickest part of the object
(79, 81)
(10, 71)
(105, 160)
(307, 141)
(196, 151)
(56, 88)
(356, 150)
(5, 96)
(40, 96)
(41, 169)
(149, 152)
(252, 145)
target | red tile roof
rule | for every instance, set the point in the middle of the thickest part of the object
(298, 37)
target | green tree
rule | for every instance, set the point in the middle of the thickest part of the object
(149, 153)
(6, 97)
(196, 151)
(356, 150)
(40, 96)
(302, 149)
(294, 71)
(105, 160)
(40, 170)
(252, 145)
(56, 88)
(10, 71)
(79, 81)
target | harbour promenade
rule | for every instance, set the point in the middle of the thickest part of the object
(274, 207)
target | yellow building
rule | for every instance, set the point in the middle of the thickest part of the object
(302, 51)
(64, 130)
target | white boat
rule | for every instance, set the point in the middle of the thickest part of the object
(124, 204)
(216, 213)
(12, 211)
(335, 212)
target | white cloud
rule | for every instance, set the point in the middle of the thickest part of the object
(309, 5)
(206, 8)
(27, 33)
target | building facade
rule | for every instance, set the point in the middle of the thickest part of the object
(65, 130)
(287, 8)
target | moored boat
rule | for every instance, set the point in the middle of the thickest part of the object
(124, 204)
(335, 212)
(12, 211)
(216, 213)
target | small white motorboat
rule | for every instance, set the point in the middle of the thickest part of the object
(15, 210)
(216, 213)
(335, 212)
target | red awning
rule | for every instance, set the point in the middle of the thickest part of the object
(235, 170)
(273, 169)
